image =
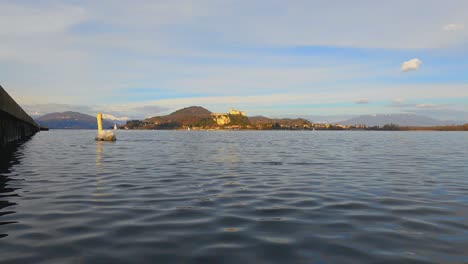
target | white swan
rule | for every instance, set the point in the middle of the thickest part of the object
(103, 135)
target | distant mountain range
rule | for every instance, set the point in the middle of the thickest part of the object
(70, 120)
(398, 119)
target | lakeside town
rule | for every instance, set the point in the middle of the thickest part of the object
(199, 118)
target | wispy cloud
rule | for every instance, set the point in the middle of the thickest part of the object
(403, 104)
(362, 101)
(430, 105)
(24, 21)
(398, 101)
(82, 53)
(453, 27)
(148, 110)
(411, 65)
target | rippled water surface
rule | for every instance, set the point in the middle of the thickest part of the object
(236, 197)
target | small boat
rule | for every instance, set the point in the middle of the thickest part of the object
(115, 127)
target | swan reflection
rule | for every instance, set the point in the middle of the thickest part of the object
(99, 171)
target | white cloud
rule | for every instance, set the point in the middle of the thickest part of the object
(362, 101)
(398, 101)
(411, 65)
(324, 102)
(427, 105)
(82, 52)
(24, 21)
(412, 105)
(453, 27)
(263, 104)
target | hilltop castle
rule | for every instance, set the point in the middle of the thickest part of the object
(223, 118)
(236, 112)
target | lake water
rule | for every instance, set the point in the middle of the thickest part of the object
(236, 197)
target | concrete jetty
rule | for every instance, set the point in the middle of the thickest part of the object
(15, 123)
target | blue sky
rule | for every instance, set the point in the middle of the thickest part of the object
(144, 58)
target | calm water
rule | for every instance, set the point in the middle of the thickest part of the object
(236, 197)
